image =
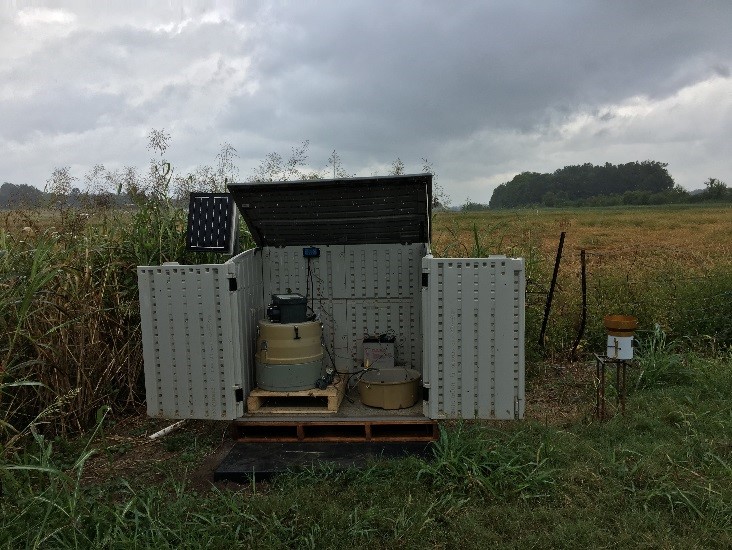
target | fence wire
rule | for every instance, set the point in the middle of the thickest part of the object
(688, 297)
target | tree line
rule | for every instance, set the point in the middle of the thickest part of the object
(633, 183)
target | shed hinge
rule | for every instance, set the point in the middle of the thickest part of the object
(425, 394)
(239, 394)
(425, 279)
(516, 401)
(232, 284)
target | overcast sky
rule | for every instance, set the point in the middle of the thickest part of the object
(483, 90)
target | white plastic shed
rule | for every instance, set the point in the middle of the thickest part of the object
(459, 321)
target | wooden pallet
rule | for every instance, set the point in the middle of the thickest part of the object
(297, 402)
(334, 429)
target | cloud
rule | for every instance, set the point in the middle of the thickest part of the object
(44, 16)
(484, 90)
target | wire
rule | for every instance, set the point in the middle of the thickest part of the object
(310, 287)
(358, 374)
(349, 375)
(322, 342)
(340, 374)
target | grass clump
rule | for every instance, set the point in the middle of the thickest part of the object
(69, 308)
(491, 463)
(660, 361)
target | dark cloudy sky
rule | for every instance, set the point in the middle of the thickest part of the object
(484, 90)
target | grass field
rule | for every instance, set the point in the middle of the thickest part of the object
(700, 233)
(661, 476)
(658, 477)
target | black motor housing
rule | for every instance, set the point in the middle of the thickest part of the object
(287, 308)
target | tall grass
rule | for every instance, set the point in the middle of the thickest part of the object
(69, 313)
(70, 317)
(490, 463)
(69, 310)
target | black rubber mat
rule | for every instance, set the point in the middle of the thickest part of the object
(265, 459)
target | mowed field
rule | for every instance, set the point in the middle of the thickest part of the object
(696, 237)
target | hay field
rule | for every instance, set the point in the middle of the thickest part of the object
(668, 265)
(70, 312)
(695, 237)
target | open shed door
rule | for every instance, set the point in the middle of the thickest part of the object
(473, 337)
(193, 342)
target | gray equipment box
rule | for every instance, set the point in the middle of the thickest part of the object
(378, 351)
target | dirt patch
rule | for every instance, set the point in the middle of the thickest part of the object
(126, 452)
(560, 394)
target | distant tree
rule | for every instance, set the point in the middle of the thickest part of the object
(636, 197)
(471, 206)
(577, 184)
(716, 190)
(549, 199)
(23, 195)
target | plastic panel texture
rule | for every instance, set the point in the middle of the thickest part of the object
(193, 319)
(473, 314)
(252, 307)
(358, 290)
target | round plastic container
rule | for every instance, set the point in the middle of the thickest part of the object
(289, 356)
(390, 388)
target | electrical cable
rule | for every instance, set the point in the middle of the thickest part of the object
(338, 373)
(307, 286)
(310, 287)
(349, 375)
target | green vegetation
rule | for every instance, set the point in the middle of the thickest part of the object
(82, 354)
(70, 377)
(661, 476)
(69, 312)
(634, 183)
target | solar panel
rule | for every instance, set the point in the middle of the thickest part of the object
(211, 223)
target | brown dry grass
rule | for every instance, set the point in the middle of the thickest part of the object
(667, 265)
(695, 237)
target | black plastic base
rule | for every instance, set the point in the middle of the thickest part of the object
(266, 459)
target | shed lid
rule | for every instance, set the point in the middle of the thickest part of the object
(374, 210)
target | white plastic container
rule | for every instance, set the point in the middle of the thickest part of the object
(620, 347)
